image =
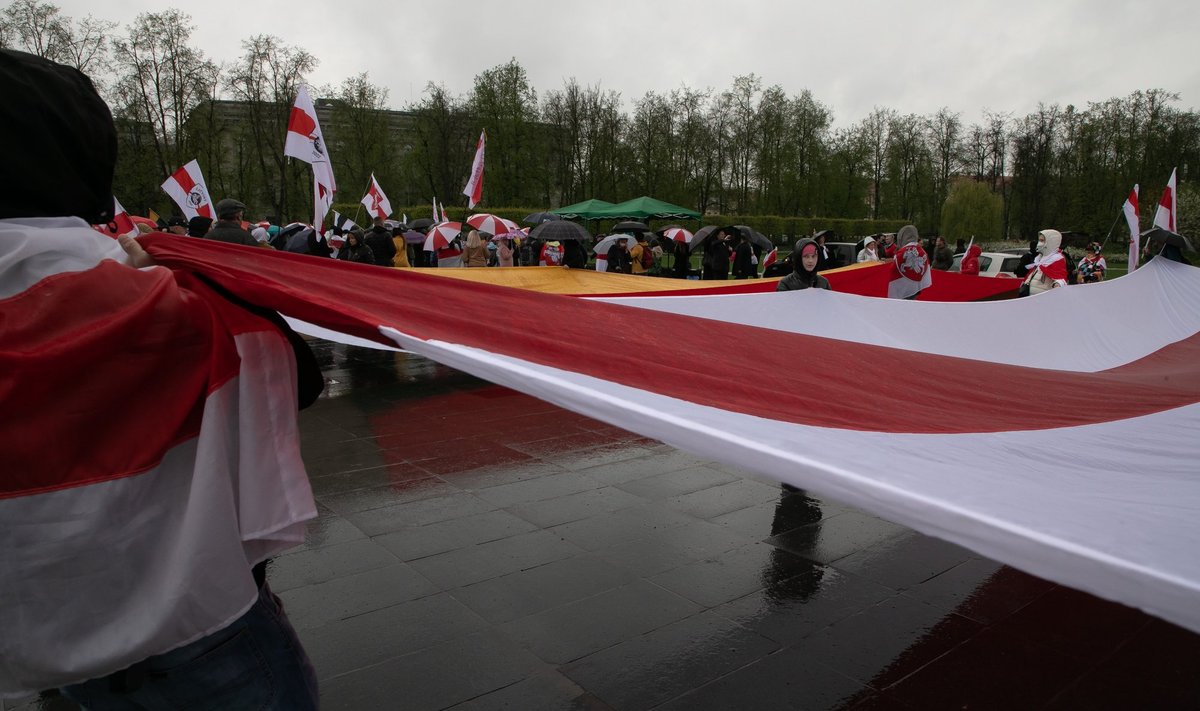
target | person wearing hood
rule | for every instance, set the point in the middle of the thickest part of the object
(744, 266)
(134, 564)
(198, 226)
(355, 249)
(970, 260)
(868, 253)
(804, 269)
(1049, 270)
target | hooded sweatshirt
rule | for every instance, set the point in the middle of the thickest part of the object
(801, 278)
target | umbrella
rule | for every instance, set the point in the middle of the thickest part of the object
(441, 235)
(630, 227)
(421, 223)
(756, 238)
(538, 218)
(678, 234)
(491, 224)
(558, 231)
(515, 234)
(606, 244)
(413, 237)
(1158, 234)
(391, 224)
(702, 234)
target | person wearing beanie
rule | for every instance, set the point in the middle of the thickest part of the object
(804, 269)
(133, 574)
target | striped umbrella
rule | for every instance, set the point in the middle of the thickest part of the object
(678, 234)
(491, 224)
(441, 235)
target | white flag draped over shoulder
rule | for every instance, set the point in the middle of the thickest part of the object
(1167, 214)
(305, 142)
(1130, 210)
(474, 189)
(375, 201)
(186, 187)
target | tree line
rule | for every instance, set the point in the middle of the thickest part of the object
(749, 149)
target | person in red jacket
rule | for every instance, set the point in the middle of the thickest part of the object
(970, 261)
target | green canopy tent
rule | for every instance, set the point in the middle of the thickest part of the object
(644, 208)
(582, 210)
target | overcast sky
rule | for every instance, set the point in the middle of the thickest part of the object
(914, 56)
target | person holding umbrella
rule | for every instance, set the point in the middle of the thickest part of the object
(619, 260)
(716, 255)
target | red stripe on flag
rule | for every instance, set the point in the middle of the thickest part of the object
(813, 380)
(102, 386)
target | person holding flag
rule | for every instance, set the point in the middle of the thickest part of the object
(379, 237)
(175, 478)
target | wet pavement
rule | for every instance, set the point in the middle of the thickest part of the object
(480, 549)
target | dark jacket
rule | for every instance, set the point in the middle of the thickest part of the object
(716, 259)
(231, 232)
(574, 255)
(799, 278)
(379, 239)
(619, 260)
(361, 254)
(743, 266)
(943, 258)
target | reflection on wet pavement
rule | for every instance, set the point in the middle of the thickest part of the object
(480, 549)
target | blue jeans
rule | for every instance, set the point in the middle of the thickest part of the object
(255, 663)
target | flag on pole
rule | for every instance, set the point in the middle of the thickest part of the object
(375, 201)
(120, 223)
(342, 222)
(153, 216)
(910, 272)
(474, 189)
(1167, 216)
(435, 214)
(1130, 208)
(186, 187)
(770, 258)
(444, 218)
(305, 142)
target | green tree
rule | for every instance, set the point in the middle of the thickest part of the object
(971, 210)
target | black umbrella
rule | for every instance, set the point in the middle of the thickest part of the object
(421, 223)
(630, 226)
(559, 230)
(758, 239)
(702, 234)
(538, 218)
(1158, 234)
(661, 230)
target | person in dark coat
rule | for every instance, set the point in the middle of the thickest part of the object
(716, 256)
(228, 227)
(804, 269)
(683, 260)
(826, 257)
(619, 260)
(743, 262)
(198, 226)
(574, 254)
(354, 250)
(943, 258)
(1027, 259)
(379, 239)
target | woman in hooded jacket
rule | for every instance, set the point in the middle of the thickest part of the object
(355, 250)
(970, 260)
(1049, 270)
(804, 264)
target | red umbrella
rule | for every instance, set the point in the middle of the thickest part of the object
(441, 235)
(491, 224)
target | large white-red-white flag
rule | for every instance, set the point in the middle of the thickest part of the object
(955, 443)
(306, 142)
(474, 189)
(910, 272)
(1167, 214)
(186, 187)
(375, 201)
(1130, 210)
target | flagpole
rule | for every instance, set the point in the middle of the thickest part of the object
(358, 209)
(1114, 226)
